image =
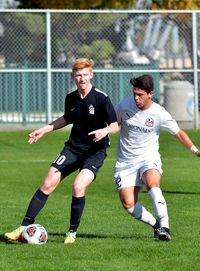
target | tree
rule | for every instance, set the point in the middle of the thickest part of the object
(182, 20)
(100, 50)
(176, 4)
(77, 4)
(74, 33)
(110, 4)
(24, 35)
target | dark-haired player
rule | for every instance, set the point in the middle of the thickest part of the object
(138, 160)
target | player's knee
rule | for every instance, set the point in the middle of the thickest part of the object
(48, 186)
(128, 205)
(127, 201)
(78, 190)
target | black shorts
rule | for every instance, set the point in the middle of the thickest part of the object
(70, 160)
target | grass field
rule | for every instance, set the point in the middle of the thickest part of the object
(108, 238)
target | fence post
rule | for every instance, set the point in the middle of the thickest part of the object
(48, 52)
(195, 67)
(24, 95)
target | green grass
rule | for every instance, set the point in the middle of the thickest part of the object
(108, 238)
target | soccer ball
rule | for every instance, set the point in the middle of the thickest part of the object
(34, 234)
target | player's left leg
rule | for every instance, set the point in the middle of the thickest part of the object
(81, 182)
(89, 169)
(160, 207)
(152, 180)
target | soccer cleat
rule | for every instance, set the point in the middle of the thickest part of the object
(164, 234)
(156, 229)
(70, 237)
(16, 234)
(156, 233)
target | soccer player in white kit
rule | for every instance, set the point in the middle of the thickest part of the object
(138, 159)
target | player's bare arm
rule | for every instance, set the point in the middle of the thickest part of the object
(39, 133)
(187, 142)
(101, 133)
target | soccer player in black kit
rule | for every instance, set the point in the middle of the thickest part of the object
(93, 118)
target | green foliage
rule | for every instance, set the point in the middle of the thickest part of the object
(70, 32)
(77, 4)
(21, 29)
(176, 4)
(108, 238)
(98, 50)
(34, 23)
(109, 4)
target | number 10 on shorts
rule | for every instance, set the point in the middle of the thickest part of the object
(59, 159)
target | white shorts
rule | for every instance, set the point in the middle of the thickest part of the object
(127, 175)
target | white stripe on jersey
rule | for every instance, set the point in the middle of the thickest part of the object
(98, 90)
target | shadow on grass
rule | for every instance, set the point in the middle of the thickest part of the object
(52, 238)
(181, 192)
(101, 236)
(176, 192)
(5, 240)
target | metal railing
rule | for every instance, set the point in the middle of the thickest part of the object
(37, 49)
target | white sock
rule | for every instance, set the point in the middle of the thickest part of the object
(140, 213)
(160, 206)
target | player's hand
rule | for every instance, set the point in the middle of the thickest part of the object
(198, 153)
(38, 133)
(99, 134)
(35, 136)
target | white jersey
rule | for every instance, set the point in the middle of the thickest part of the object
(140, 130)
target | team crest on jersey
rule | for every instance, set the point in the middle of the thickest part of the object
(149, 122)
(91, 109)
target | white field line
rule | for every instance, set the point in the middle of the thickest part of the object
(50, 161)
(24, 161)
(36, 161)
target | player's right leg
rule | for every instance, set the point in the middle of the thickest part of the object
(37, 202)
(129, 197)
(128, 186)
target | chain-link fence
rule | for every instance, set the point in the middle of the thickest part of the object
(37, 49)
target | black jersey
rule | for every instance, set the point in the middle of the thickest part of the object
(95, 111)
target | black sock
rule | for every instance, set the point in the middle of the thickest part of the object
(157, 225)
(36, 204)
(77, 207)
